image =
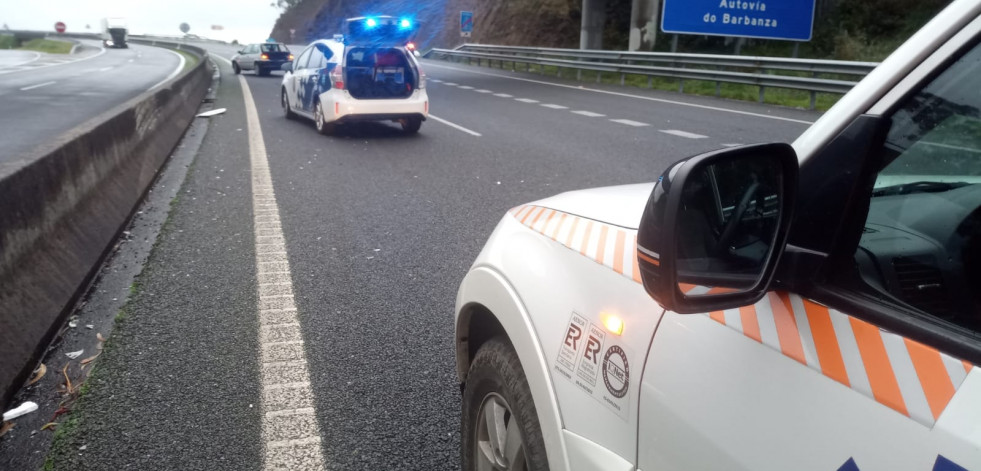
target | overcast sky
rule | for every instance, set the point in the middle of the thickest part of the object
(244, 20)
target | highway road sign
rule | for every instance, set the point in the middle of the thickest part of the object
(60, 27)
(466, 24)
(185, 28)
(784, 19)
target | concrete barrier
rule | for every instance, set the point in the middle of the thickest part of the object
(63, 205)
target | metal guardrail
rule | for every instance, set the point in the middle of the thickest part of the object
(809, 75)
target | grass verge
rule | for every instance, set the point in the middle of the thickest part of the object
(190, 59)
(47, 45)
(733, 91)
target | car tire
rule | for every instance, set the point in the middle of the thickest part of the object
(411, 125)
(496, 387)
(323, 127)
(285, 102)
(236, 68)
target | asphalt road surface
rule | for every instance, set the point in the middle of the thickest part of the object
(379, 229)
(42, 97)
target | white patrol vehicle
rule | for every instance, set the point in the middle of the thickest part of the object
(769, 307)
(366, 75)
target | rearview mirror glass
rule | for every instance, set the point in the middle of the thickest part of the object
(726, 224)
(287, 66)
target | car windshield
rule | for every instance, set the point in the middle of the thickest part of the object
(345, 235)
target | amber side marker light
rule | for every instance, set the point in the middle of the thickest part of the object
(613, 323)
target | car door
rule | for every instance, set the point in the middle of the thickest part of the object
(247, 60)
(867, 373)
(310, 81)
(296, 79)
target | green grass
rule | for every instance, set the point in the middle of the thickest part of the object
(47, 45)
(61, 443)
(732, 91)
(8, 41)
(190, 59)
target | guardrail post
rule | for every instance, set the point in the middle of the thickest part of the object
(579, 75)
(623, 79)
(813, 99)
(650, 81)
(558, 72)
(718, 88)
(599, 76)
(681, 85)
(762, 92)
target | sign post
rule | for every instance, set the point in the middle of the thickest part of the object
(60, 27)
(791, 20)
(466, 24)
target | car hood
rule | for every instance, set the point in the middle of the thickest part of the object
(618, 205)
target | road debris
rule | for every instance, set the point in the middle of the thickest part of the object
(38, 374)
(6, 427)
(23, 409)
(74, 355)
(212, 113)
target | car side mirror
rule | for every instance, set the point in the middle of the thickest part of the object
(287, 66)
(715, 226)
(242, 51)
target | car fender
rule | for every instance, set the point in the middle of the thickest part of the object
(486, 287)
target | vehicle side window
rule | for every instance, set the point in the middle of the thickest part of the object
(251, 49)
(301, 62)
(317, 60)
(922, 239)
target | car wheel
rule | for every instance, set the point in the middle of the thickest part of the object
(411, 125)
(285, 101)
(499, 421)
(323, 127)
(235, 68)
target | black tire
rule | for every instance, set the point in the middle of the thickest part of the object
(322, 126)
(236, 68)
(496, 374)
(284, 100)
(411, 125)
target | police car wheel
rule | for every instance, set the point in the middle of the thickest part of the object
(285, 101)
(411, 125)
(323, 127)
(235, 68)
(499, 421)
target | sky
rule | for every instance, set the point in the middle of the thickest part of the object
(244, 20)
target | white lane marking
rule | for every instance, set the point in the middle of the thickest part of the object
(466, 87)
(449, 83)
(639, 97)
(689, 135)
(290, 432)
(628, 122)
(102, 51)
(526, 100)
(589, 114)
(131, 60)
(32, 87)
(105, 69)
(483, 91)
(731, 145)
(457, 126)
(180, 67)
(504, 95)
(436, 80)
(555, 107)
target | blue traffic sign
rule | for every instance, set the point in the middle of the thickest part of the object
(776, 19)
(466, 23)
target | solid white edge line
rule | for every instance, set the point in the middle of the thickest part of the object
(180, 67)
(608, 92)
(102, 51)
(457, 126)
(32, 87)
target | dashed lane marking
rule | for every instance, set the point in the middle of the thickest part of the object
(456, 126)
(450, 84)
(526, 100)
(32, 87)
(555, 107)
(589, 114)
(290, 431)
(628, 95)
(504, 95)
(466, 87)
(689, 135)
(106, 69)
(436, 80)
(483, 91)
(629, 122)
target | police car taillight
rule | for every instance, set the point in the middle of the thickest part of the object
(264, 56)
(337, 78)
(422, 79)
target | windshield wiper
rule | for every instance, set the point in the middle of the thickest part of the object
(917, 187)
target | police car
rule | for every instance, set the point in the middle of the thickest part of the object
(365, 75)
(768, 307)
